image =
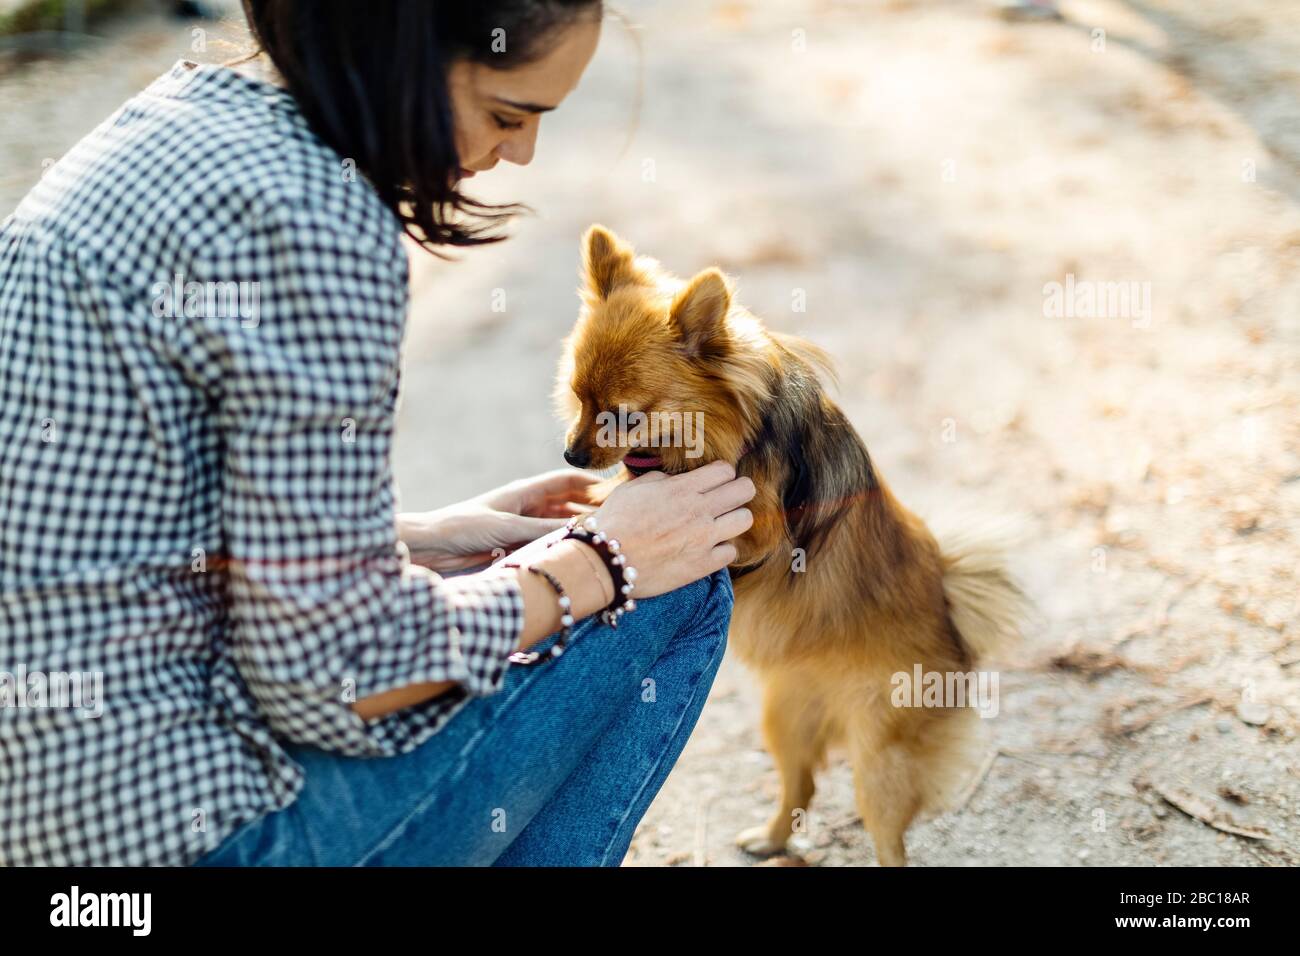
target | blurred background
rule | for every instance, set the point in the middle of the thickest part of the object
(903, 182)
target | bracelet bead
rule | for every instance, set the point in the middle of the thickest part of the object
(533, 658)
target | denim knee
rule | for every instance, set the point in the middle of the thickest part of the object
(708, 603)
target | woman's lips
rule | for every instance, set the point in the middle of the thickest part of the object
(466, 173)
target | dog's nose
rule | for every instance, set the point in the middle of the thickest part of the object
(578, 459)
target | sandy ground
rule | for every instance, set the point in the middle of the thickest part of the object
(917, 174)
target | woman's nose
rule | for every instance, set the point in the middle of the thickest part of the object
(518, 149)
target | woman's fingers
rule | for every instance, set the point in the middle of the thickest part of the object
(572, 481)
(526, 527)
(733, 524)
(561, 507)
(728, 497)
(542, 494)
(722, 555)
(561, 479)
(706, 477)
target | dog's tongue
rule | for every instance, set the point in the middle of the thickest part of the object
(642, 461)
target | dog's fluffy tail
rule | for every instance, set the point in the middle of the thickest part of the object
(989, 610)
(987, 605)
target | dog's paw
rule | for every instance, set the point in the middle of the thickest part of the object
(758, 841)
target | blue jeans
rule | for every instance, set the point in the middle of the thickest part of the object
(556, 769)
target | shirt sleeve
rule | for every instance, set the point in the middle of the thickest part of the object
(325, 606)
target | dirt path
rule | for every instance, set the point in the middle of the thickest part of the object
(919, 173)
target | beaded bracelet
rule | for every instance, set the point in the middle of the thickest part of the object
(621, 573)
(533, 658)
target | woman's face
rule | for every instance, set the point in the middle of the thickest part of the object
(497, 112)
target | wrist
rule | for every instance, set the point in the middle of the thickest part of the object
(426, 535)
(598, 569)
(585, 577)
(610, 552)
(412, 528)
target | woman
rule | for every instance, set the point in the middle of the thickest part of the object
(201, 313)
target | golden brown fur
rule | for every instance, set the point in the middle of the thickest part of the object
(838, 586)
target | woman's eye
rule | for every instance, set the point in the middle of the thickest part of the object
(503, 123)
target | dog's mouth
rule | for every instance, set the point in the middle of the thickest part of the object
(639, 463)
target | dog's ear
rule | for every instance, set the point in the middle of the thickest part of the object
(607, 261)
(697, 314)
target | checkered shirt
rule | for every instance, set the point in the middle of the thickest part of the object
(196, 499)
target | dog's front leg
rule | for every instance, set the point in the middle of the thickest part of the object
(793, 731)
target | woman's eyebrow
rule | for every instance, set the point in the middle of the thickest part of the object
(525, 107)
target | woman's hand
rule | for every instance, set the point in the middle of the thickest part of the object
(676, 529)
(487, 526)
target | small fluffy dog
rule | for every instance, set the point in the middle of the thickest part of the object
(840, 590)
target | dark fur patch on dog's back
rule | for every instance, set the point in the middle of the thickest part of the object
(807, 440)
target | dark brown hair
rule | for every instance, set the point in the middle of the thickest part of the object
(371, 79)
